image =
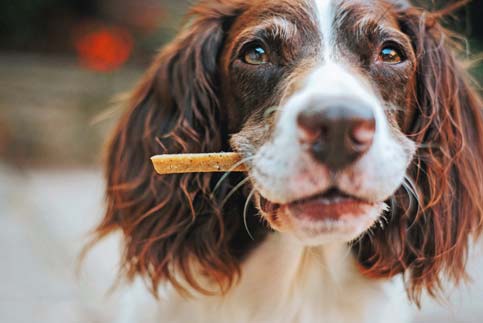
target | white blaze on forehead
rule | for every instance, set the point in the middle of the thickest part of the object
(325, 14)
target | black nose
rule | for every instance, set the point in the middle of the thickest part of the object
(338, 133)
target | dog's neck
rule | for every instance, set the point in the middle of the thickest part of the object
(284, 281)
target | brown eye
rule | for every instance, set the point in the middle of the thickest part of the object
(255, 55)
(391, 55)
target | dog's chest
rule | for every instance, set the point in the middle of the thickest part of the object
(281, 282)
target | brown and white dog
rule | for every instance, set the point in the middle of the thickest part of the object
(364, 142)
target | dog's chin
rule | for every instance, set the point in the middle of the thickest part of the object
(324, 218)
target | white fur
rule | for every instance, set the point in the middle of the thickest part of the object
(290, 174)
(286, 282)
(325, 13)
(284, 171)
(294, 279)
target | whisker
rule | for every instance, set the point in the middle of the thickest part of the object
(384, 218)
(393, 108)
(370, 232)
(412, 188)
(427, 146)
(233, 190)
(393, 208)
(418, 166)
(245, 208)
(409, 193)
(357, 240)
(228, 172)
(383, 15)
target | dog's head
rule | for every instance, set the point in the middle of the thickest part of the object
(355, 120)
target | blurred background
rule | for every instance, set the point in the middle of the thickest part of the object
(64, 64)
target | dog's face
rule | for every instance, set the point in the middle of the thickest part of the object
(327, 100)
(319, 90)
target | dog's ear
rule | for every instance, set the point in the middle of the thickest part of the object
(173, 223)
(433, 219)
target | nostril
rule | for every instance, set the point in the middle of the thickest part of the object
(309, 135)
(361, 135)
(310, 128)
(337, 132)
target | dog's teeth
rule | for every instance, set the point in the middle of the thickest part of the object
(325, 201)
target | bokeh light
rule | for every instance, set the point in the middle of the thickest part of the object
(105, 49)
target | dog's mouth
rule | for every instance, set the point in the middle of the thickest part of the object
(333, 204)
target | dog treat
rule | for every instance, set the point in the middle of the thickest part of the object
(198, 163)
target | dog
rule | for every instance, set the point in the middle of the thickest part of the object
(363, 139)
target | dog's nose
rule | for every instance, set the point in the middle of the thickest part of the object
(337, 134)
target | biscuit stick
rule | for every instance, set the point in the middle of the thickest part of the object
(198, 163)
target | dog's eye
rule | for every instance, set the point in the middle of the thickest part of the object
(255, 55)
(391, 55)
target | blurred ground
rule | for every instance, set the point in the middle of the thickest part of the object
(46, 215)
(54, 116)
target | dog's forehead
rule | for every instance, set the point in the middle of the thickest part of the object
(331, 13)
(323, 16)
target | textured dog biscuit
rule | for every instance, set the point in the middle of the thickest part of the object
(197, 163)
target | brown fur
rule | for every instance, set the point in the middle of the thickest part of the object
(174, 224)
(429, 239)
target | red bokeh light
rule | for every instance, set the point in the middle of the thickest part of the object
(104, 49)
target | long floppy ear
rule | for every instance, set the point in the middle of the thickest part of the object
(441, 208)
(173, 225)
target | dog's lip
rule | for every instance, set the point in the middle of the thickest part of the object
(331, 203)
(330, 196)
(268, 206)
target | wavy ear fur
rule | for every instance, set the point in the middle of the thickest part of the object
(173, 223)
(174, 228)
(442, 207)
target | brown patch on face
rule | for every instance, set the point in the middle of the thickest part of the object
(363, 32)
(287, 32)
